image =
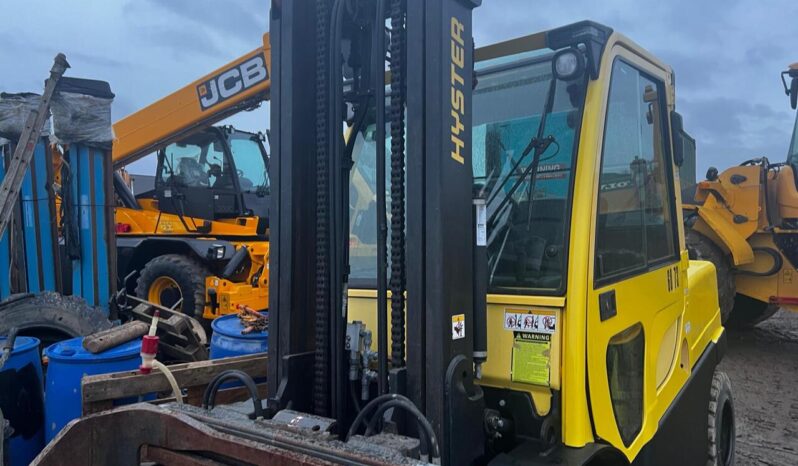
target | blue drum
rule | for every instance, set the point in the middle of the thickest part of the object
(22, 400)
(68, 363)
(227, 339)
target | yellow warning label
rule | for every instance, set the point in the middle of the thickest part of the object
(458, 326)
(531, 358)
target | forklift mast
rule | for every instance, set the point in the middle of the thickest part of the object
(330, 46)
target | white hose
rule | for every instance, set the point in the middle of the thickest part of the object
(171, 378)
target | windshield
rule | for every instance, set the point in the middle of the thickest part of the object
(527, 221)
(196, 162)
(793, 154)
(527, 216)
(248, 156)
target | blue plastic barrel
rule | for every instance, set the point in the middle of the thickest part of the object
(227, 339)
(68, 363)
(22, 401)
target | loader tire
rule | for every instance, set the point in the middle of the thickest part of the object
(721, 427)
(748, 312)
(51, 317)
(165, 279)
(699, 247)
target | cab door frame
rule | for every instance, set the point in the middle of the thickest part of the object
(621, 307)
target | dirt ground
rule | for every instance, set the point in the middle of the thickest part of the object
(763, 366)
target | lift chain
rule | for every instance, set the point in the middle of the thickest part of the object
(321, 380)
(397, 121)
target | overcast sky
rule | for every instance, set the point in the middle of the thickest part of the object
(727, 54)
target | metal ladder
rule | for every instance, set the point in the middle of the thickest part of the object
(12, 182)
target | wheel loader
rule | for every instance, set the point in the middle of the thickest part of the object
(539, 306)
(745, 221)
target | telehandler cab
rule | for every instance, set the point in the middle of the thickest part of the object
(745, 221)
(543, 309)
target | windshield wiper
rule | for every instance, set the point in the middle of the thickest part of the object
(539, 144)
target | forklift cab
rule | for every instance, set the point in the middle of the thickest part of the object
(217, 173)
(592, 342)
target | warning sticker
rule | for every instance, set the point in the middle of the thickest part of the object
(531, 358)
(531, 321)
(458, 326)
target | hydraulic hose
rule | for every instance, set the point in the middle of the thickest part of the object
(392, 400)
(338, 214)
(209, 397)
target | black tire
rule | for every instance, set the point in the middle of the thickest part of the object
(699, 247)
(721, 429)
(51, 317)
(748, 312)
(187, 273)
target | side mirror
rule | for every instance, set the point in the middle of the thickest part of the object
(792, 89)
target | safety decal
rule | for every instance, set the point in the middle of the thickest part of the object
(458, 326)
(531, 358)
(530, 321)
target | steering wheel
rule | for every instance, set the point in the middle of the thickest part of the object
(215, 170)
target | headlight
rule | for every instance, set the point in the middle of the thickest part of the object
(568, 64)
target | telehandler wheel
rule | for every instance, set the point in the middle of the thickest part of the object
(721, 428)
(51, 317)
(165, 279)
(748, 312)
(699, 247)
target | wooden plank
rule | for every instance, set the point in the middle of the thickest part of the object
(234, 395)
(97, 406)
(194, 397)
(126, 384)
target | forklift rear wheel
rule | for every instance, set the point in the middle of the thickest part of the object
(699, 247)
(168, 278)
(748, 312)
(721, 430)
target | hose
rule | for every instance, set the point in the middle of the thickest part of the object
(171, 378)
(778, 262)
(429, 442)
(209, 397)
(395, 400)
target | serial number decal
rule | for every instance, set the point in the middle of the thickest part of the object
(232, 81)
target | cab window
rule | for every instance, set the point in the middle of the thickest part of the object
(195, 162)
(635, 227)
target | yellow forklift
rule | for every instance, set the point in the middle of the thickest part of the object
(745, 220)
(198, 241)
(543, 309)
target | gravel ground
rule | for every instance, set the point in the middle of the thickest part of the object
(763, 366)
